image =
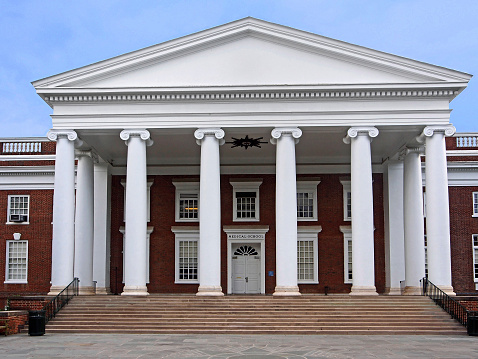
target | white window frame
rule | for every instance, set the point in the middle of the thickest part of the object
(475, 259)
(149, 230)
(246, 186)
(185, 188)
(9, 209)
(7, 279)
(307, 187)
(475, 204)
(347, 188)
(425, 245)
(347, 231)
(309, 233)
(148, 200)
(189, 234)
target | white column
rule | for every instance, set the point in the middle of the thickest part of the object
(438, 212)
(84, 219)
(102, 234)
(63, 245)
(286, 211)
(135, 248)
(363, 267)
(394, 236)
(413, 221)
(210, 212)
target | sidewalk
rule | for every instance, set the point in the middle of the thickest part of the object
(237, 346)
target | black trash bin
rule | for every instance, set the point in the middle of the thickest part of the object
(36, 322)
(472, 326)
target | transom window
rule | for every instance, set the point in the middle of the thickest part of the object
(18, 208)
(307, 200)
(246, 200)
(307, 254)
(475, 204)
(17, 261)
(187, 201)
(245, 251)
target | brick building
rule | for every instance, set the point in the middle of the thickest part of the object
(284, 121)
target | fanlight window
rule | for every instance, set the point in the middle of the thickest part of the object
(245, 251)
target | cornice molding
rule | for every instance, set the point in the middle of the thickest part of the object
(200, 133)
(353, 132)
(125, 135)
(250, 95)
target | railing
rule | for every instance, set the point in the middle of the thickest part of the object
(61, 299)
(20, 147)
(449, 305)
(467, 141)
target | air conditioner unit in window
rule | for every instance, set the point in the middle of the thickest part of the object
(18, 218)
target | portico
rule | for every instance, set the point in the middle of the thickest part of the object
(382, 106)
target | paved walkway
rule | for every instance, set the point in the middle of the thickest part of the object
(237, 346)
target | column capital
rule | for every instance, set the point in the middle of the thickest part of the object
(141, 133)
(406, 150)
(87, 153)
(277, 132)
(200, 133)
(429, 131)
(356, 131)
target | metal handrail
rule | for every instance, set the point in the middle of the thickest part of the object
(61, 299)
(449, 304)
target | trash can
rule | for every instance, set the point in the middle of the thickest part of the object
(36, 322)
(472, 325)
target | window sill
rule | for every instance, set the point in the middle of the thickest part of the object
(246, 220)
(18, 223)
(347, 219)
(307, 219)
(308, 282)
(475, 216)
(186, 282)
(15, 282)
(195, 220)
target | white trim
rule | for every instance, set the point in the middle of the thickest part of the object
(184, 234)
(149, 230)
(475, 203)
(190, 187)
(347, 188)
(259, 230)
(14, 281)
(308, 186)
(27, 157)
(245, 186)
(9, 209)
(310, 233)
(475, 257)
(347, 231)
(148, 200)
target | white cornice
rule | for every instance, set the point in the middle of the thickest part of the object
(27, 157)
(27, 170)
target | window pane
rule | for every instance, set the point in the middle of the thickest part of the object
(17, 260)
(188, 260)
(305, 260)
(305, 204)
(246, 204)
(188, 206)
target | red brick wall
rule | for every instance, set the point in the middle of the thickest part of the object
(28, 303)
(162, 248)
(16, 320)
(462, 227)
(471, 305)
(39, 235)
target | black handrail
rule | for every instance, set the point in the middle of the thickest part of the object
(449, 304)
(61, 299)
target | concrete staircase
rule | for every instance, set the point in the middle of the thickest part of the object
(307, 314)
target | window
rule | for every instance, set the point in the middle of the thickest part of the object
(348, 275)
(186, 254)
(17, 262)
(475, 204)
(475, 257)
(307, 255)
(347, 195)
(18, 208)
(307, 200)
(148, 200)
(246, 200)
(187, 201)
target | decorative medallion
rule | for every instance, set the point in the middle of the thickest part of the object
(246, 142)
(245, 251)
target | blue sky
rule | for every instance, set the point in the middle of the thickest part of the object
(42, 38)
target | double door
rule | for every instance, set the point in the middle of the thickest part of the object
(246, 270)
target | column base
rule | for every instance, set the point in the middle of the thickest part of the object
(86, 290)
(448, 289)
(103, 291)
(210, 291)
(393, 291)
(412, 291)
(363, 290)
(55, 289)
(135, 290)
(282, 291)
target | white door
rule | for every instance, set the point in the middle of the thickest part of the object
(246, 273)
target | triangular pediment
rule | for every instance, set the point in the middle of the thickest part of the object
(251, 52)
